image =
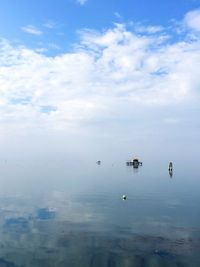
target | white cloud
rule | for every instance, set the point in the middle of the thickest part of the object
(82, 2)
(149, 29)
(108, 77)
(54, 46)
(50, 24)
(192, 20)
(32, 30)
(117, 15)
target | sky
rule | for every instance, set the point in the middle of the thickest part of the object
(96, 77)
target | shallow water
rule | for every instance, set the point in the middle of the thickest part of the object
(72, 214)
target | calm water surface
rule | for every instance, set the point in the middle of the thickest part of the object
(54, 213)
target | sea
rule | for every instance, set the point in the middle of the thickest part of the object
(72, 213)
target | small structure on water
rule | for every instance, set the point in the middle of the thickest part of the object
(170, 166)
(134, 162)
(170, 169)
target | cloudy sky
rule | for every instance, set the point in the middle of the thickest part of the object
(96, 75)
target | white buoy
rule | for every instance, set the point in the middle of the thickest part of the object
(124, 197)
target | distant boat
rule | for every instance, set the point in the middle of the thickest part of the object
(134, 162)
(98, 162)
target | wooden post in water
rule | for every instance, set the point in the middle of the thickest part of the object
(170, 166)
(170, 169)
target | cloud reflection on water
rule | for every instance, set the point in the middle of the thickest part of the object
(47, 237)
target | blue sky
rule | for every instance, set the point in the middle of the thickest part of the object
(102, 71)
(59, 21)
